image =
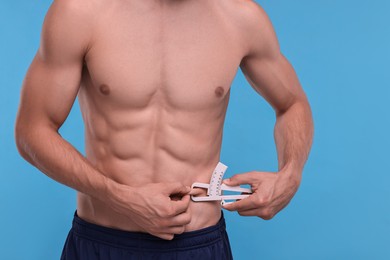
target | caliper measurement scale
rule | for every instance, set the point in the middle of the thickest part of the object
(216, 187)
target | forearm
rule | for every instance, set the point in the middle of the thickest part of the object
(293, 136)
(49, 152)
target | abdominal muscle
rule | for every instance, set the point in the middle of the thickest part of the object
(173, 147)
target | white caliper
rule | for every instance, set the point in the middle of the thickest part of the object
(215, 188)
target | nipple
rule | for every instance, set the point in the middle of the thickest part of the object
(104, 89)
(219, 91)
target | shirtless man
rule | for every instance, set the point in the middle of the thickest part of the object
(153, 79)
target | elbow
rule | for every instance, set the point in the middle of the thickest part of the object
(25, 137)
(21, 139)
(300, 103)
(300, 110)
(29, 137)
(304, 105)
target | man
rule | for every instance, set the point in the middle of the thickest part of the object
(153, 80)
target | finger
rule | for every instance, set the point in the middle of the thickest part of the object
(180, 220)
(197, 192)
(165, 236)
(264, 213)
(242, 178)
(251, 212)
(242, 205)
(176, 230)
(177, 188)
(180, 206)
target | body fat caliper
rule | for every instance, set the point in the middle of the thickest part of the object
(216, 187)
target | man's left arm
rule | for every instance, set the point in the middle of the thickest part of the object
(273, 77)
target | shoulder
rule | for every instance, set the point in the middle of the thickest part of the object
(74, 12)
(247, 12)
(75, 7)
(68, 26)
(63, 10)
(251, 9)
(256, 27)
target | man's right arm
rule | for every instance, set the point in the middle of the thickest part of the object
(48, 93)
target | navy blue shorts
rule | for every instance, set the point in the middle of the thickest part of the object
(87, 241)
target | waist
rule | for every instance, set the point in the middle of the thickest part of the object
(203, 214)
(142, 241)
(169, 170)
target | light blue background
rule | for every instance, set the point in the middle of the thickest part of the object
(341, 52)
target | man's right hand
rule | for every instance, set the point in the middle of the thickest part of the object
(153, 208)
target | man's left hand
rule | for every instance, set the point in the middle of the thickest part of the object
(271, 192)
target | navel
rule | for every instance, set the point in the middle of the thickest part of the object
(219, 91)
(104, 89)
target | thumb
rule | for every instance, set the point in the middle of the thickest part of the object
(177, 188)
(243, 178)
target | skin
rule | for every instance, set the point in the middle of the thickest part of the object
(153, 81)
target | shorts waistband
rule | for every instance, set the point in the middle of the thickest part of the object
(144, 241)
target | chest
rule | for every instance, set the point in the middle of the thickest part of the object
(185, 55)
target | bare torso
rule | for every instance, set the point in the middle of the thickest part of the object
(154, 94)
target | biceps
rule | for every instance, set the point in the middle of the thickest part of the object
(275, 79)
(53, 79)
(48, 93)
